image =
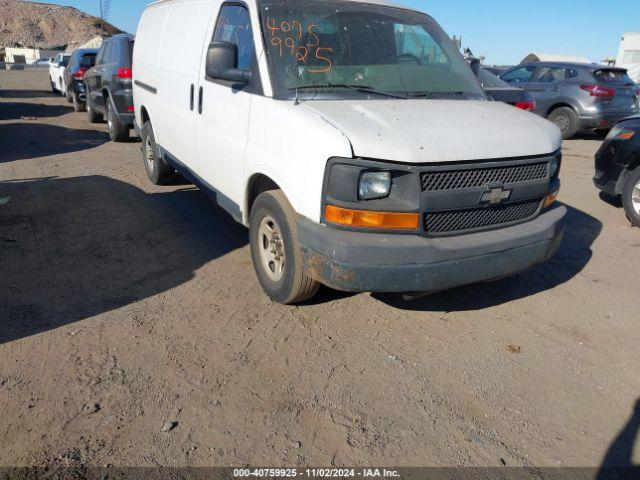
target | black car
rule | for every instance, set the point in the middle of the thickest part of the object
(109, 87)
(501, 91)
(81, 60)
(618, 166)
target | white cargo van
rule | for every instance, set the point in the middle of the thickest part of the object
(353, 140)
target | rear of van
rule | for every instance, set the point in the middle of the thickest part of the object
(363, 159)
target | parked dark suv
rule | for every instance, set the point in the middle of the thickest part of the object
(81, 60)
(618, 166)
(577, 97)
(109, 84)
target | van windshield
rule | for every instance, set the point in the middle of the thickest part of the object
(333, 48)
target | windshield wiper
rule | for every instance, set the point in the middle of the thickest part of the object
(358, 88)
(437, 94)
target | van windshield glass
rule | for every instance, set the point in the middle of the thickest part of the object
(336, 48)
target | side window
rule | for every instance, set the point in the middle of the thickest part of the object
(519, 75)
(551, 75)
(108, 48)
(100, 55)
(414, 41)
(234, 25)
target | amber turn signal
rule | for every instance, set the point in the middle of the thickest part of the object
(367, 219)
(549, 199)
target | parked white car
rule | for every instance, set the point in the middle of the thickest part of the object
(57, 67)
(351, 138)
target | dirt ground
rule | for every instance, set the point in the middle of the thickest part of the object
(124, 306)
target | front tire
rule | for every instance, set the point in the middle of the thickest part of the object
(118, 131)
(631, 196)
(275, 250)
(566, 120)
(158, 170)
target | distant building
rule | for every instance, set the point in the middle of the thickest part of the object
(27, 55)
(549, 57)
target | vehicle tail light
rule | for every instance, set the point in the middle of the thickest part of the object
(125, 73)
(130, 109)
(598, 91)
(79, 75)
(529, 106)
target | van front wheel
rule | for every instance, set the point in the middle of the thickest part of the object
(275, 250)
(158, 170)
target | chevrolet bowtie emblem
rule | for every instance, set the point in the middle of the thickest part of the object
(495, 196)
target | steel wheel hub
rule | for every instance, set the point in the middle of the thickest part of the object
(271, 247)
(149, 154)
(635, 198)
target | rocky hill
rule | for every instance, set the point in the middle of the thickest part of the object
(43, 25)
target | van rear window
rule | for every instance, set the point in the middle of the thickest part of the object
(613, 77)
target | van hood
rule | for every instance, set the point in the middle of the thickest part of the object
(434, 131)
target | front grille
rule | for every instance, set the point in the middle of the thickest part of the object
(477, 218)
(479, 177)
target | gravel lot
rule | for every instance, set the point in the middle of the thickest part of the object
(124, 306)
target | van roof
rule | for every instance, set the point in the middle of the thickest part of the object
(372, 2)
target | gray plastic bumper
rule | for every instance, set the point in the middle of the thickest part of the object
(368, 262)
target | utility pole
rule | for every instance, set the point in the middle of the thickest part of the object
(101, 21)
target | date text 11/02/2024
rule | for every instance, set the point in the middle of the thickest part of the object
(315, 473)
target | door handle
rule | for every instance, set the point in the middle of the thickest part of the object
(191, 97)
(200, 94)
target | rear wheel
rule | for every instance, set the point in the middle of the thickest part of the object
(275, 250)
(566, 120)
(78, 105)
(631, 196)
(69, 95)
(118, 131)
(93, 116)
(158, 171)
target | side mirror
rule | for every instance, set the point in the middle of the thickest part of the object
(222, 63)
(475, 66)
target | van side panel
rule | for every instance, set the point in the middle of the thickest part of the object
(291, 145)
(179, 66)
(145, 57)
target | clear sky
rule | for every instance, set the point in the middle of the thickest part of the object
(502, 30)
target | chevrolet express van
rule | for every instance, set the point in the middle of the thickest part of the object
(353, 140)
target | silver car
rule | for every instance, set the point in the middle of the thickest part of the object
(577, 97)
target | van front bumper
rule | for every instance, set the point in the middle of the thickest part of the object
(369, 262)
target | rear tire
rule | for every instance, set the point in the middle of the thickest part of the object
(277, 257)
(631, 196)
(78, 105)
(158, 170)
(566, 120)
(92, 115)
(69, 95)
(118, 131)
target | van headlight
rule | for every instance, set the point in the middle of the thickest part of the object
(373, 185)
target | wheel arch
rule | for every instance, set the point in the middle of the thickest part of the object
(557, 105)
(258, 183)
